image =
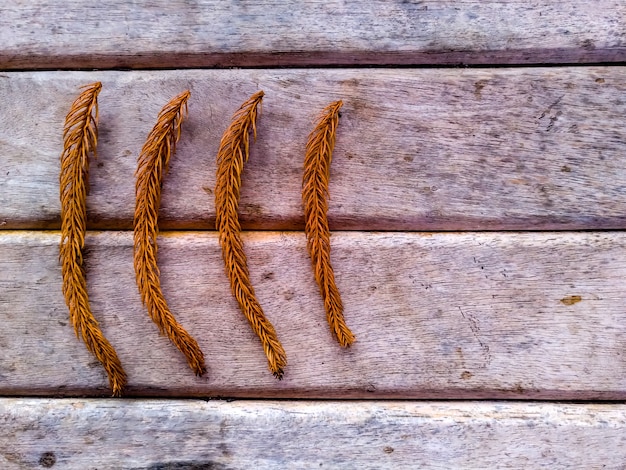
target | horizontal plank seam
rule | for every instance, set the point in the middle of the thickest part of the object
(337, 231)
(326, 66)
(260, 399)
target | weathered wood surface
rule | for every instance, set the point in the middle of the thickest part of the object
(531, 148)
(194, 434)
(475, 315)
(207, 33)
(460, 316)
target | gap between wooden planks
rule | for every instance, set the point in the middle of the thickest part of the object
(190, 434)
(488, 149)
(457, 315)
(210, 33)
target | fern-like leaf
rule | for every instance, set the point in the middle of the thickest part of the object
(153, 163)
(232, 154)
(319, 151)
(80, 136)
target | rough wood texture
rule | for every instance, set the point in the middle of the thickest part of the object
(207, 33)
(531, 148)
(456, 315)
(190, 435)
(481, 315)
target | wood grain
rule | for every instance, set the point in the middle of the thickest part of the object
(476, 315)
(215, 33)
(195, 434)
(420, 149)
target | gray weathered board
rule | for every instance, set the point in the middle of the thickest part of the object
(471, 315)
(458, 315)
(524, 148)
(208, 33)
(197, 435)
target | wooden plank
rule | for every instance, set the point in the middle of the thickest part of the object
(482, 149)
(475, 315)
(209, 33)
(194, 434)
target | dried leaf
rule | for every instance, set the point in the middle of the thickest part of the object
(233, 152)
(153, 162)
(80, 136)
(319, 152)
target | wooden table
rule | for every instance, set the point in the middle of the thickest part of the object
(478, 202)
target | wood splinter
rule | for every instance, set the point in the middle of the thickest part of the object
(80, 137)
(319, 152)
(232, 154)
(153, 162)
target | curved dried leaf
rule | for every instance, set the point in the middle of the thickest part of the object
(233, 152)
(80, 136)
(319, 152)
(153, 162)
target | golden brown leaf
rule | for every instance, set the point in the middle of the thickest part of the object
(233, 152)
(153, 162)
(319, 152)
(80, 136)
